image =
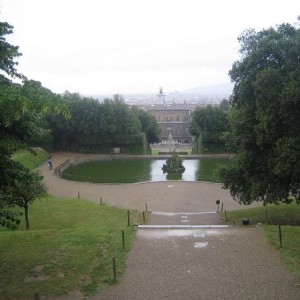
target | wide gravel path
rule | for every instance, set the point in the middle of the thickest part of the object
(190, 263)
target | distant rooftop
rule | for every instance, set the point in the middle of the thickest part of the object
(170, 106)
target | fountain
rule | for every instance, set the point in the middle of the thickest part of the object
(173, 165)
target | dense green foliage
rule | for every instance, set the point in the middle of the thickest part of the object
(8, 52)
(70, 247)
(13, 175)
(265, 118)
(99, 127)
(26, 188)
(149, 125)
(22, 107)
(209, 124)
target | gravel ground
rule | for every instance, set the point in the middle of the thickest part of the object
(233, 263)
(226, 263)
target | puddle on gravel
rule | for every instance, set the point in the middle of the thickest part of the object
(199, 234)
(184, 221)
(200, 245)
(164, 234)
(167, 214)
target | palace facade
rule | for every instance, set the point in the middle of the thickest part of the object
(173, 119)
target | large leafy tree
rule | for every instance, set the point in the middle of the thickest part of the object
(8, 52)
(25, 187)
(265, 117)
(22, 107)
(149, 125)
(98, 127)
(210, 123)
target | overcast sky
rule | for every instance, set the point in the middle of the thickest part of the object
(132, 46)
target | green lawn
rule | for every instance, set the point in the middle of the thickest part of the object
(290, 250)
(70, 246)
(155, 151)
(30, 160)
(288, 216)
(282, 214)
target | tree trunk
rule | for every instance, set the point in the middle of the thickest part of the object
(26, 217)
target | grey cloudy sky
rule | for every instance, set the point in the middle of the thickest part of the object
(131, 46)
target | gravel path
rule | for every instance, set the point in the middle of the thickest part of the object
(213, 263)
(233, 263)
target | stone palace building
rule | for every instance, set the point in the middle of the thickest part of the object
(173, 119)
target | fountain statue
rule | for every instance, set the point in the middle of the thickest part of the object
(173, 165)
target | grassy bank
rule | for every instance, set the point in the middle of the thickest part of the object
(31, 160)
(288, 216)
(155, 151)
(290, 250)
(70, 247)
(283, 214)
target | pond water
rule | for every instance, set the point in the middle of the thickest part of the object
(140, 170)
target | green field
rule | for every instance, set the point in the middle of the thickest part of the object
(70, 247)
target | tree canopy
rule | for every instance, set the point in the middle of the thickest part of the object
(22, 107)
(99, 127)
(8, 52)
(265, 117)
(210, 123)
(149, 125)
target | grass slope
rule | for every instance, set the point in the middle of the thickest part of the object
(30, 160)
(70, 247)
(290, 250)
(282, 214)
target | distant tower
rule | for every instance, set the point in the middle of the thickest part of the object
(161, 98)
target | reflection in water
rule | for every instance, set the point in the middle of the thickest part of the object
(190, 173)
(156, 170)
